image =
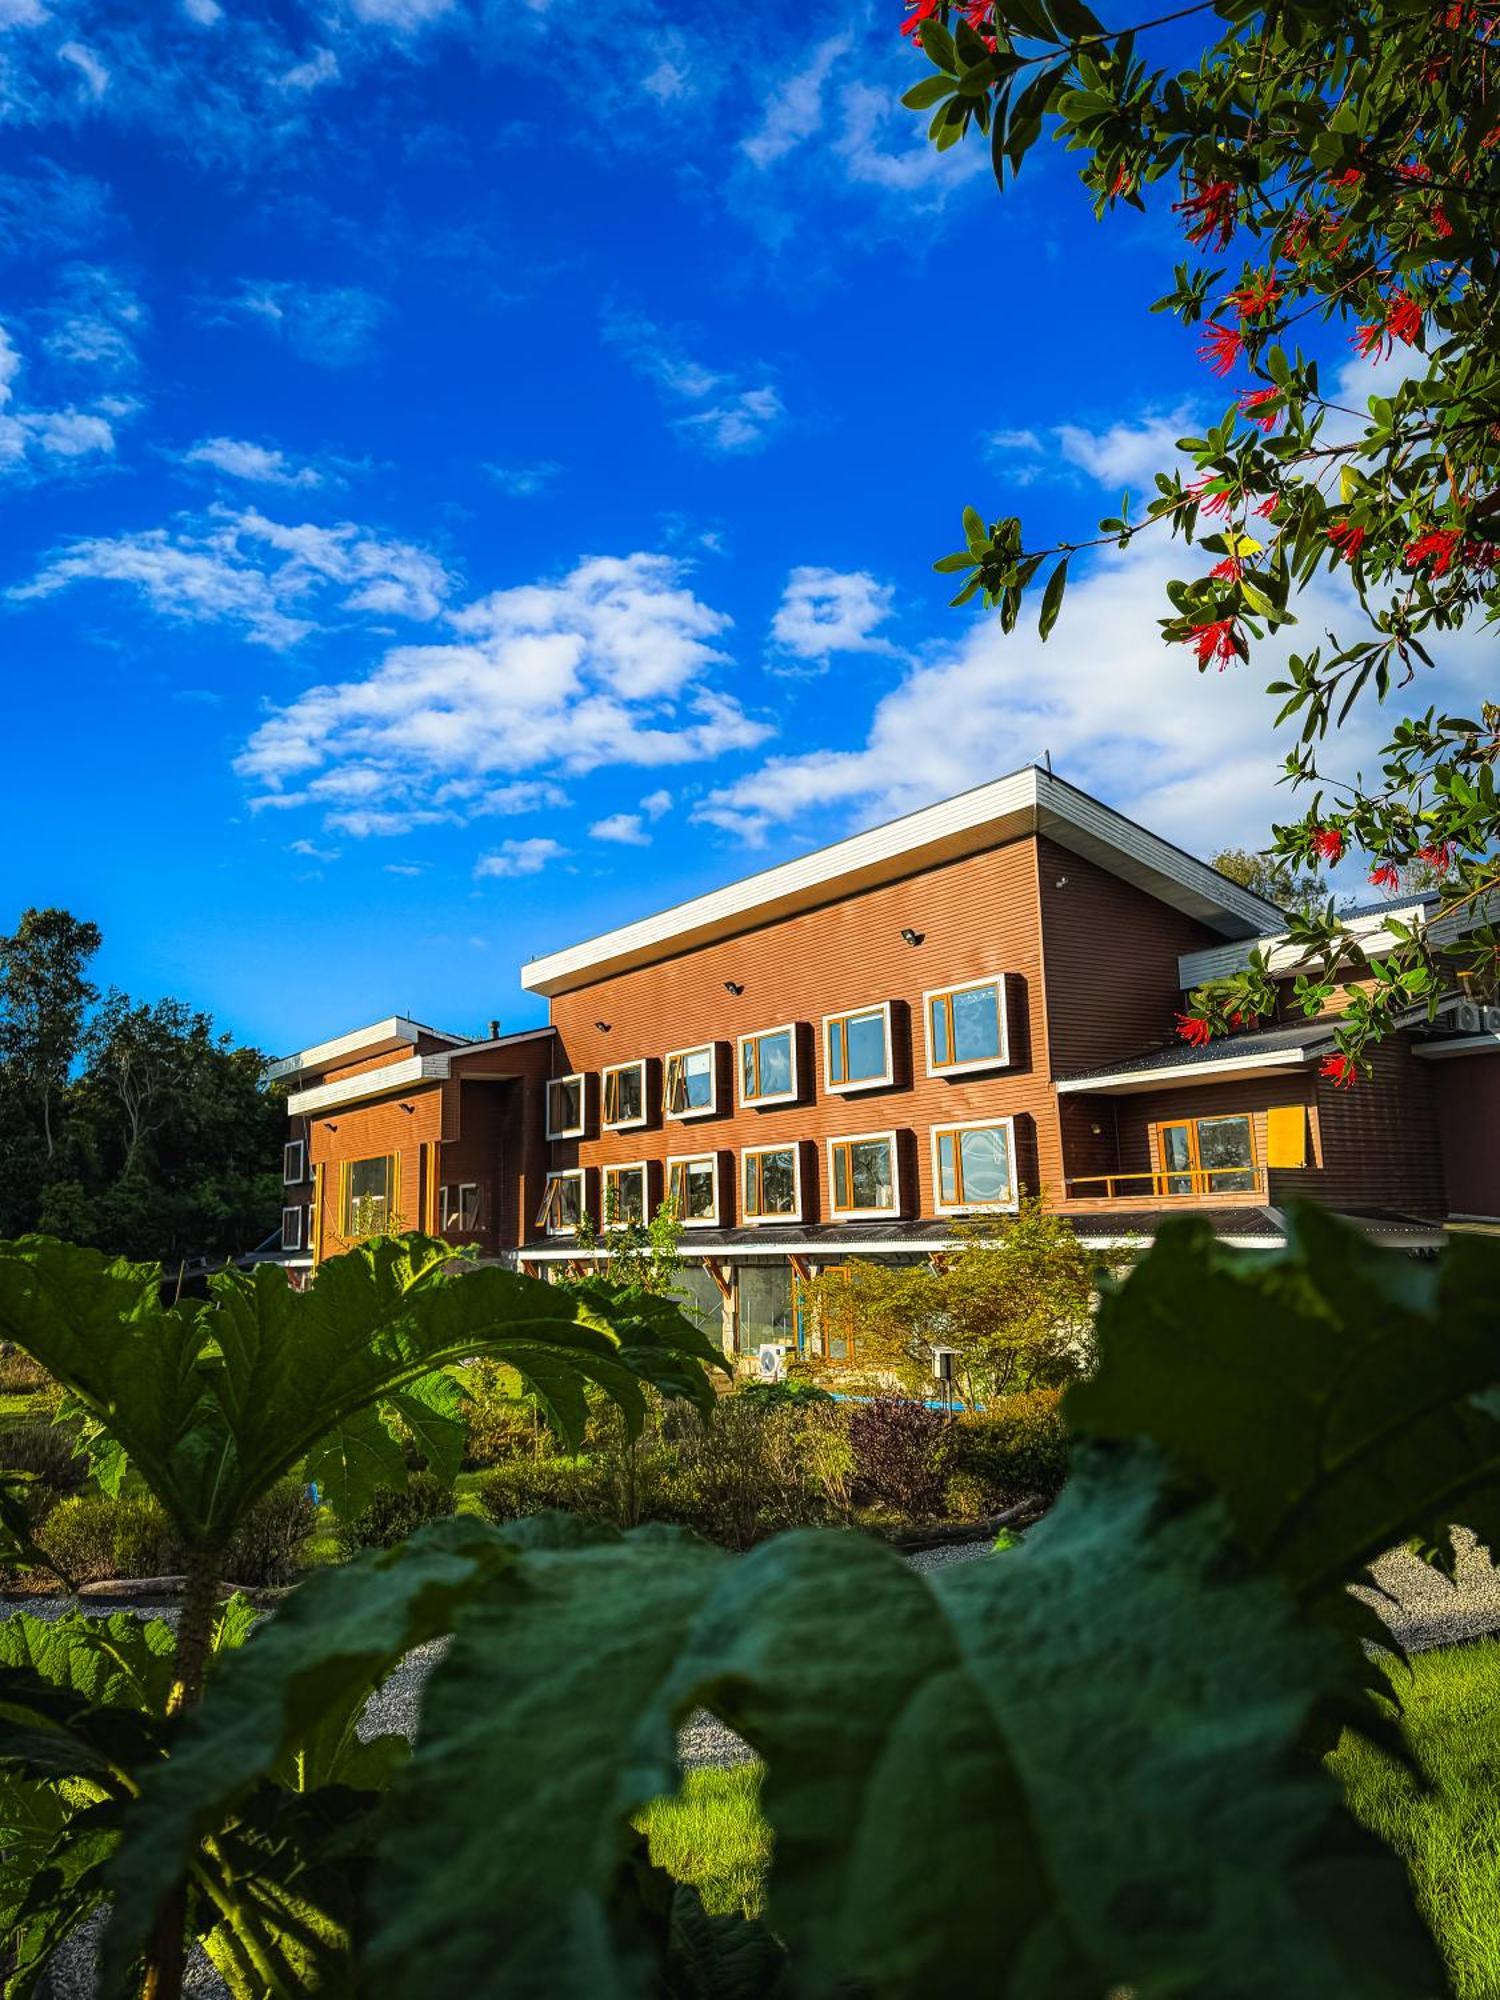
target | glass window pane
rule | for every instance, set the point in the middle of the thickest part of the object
(775, 1065)
(947, 1170)
(747, 1070)
(986, 1165)
(835, 1052)
(566, 1099)
(699, 1297)
(866, 1037)
(841, 1176)
(1225, 1143)
(624, 1094)
(872, 1174)
(764, 1298)
(700, 1188)
(698, 1078)
(939, 1014)
(778, 1181)
(1177, 1158)
(976, 1025)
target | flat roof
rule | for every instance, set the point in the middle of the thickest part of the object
(396, 1031)
(1030, 801)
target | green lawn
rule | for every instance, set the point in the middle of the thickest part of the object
(1449, 1836)
(712, 1835)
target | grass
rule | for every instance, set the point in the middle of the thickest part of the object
(712, 1835)
(1448, 1835)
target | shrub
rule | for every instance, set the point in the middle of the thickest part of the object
(45, 1450)
(902, 1454)
(1019, 1445)
(502, 1425)
(20, 1375)
(532, 1485)
(966, 1496)
(267, 1548)
(759, 1465)
(393, 1514)
(94, 1538)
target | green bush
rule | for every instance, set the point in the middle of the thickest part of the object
(267, 1548)
(524, 1486)
(966, 1496)
(502, 1424)
(45, 1450)
(20, 1375)
(1018, 1446)
(394, 1514)
(758, 1466)
(93, 1538)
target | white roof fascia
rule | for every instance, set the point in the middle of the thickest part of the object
(394, 1028)
(1222, 961)
(369, 1083)
(1123, 1081)
(1056, 809)
(1461, 1045)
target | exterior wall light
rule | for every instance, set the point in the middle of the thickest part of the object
(910, 936)
(733, 986)
(602, 1026)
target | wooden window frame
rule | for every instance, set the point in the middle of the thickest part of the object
(448, 1221)
(753, 1041)
(299, 1147)
(618, 1069)
(299, 1212)
(555, 1180)
(580, 1077)
(946, 994)
(392, 1164)
(611, 1173)
(953, 1130)
(709, 1110)
(846, 1014)
(892, 1142)
(794, 1213)
(686, 1160)
(1202, 1177)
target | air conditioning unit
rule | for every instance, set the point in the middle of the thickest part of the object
(770, 1361)
(943, 1361)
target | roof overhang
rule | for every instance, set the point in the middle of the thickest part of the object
(394, 1032)
(413, 1070)
(1459, 1045)
(1371, 931)
(1122, 1083)
(1032, 801)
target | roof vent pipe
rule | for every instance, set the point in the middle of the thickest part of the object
(494, 1031)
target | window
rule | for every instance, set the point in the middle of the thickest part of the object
(565, 1107)
(862, 1176)
(973, 1165)
(693, 1188)
(294, 1163)
(858, 1048)
(771, 1183)
(768, 1066)
(562, 1204)
(1207, 1156)
(966, 1027)
(624, 1195)
(458, 1206)
(689, 1087)
(291, 1229)
(369, 1198)
(624, 1095)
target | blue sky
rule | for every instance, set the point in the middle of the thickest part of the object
(471, 476)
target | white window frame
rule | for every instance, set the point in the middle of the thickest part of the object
(939, 1206)
(794, 1214)
(882, 1007)
(544, 1221)
(641, 1167)
(299, 1147)
(460, 1188)
(286, 1243)
(709, 1110)
(693, 1160)
(890, 1214)
(614, 1069)
(787, 1028)
(1002, 1008)
(580, 1077)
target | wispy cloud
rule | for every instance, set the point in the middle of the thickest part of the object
(94, 75)
(826, 611)
(332, 325)
(521, 482)
(624, 829)
(267, 577)
(519, 857)
(611, 664)
(718, 411)
(95, 323)
(794, 109)
(36, 440)
(240, 458)
(1128, 452)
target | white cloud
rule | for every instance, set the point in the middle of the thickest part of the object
(654, 804)
(207, 13)
(881, 145)
(321, 67)
(611, 664)
(404, 16)
(519, 857)
(794, 108)
(95, 324)
(259, 463)
(522, 481)
(332, 325)
(410, 868)
(1126, 453)
(35, 441)
(262, 575)
(727, 412)
(310, 851)
(624, 829)
(1191, 755)
(824, 611)
(95, 75)
(22, 13)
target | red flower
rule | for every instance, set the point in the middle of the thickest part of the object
(1437, 216)
(1438, 856)
(1350, 177)
(1257, 297)
(1386, 876)
(1214, 641)
(1230, 570)
(918, 14)
(1436, 548)
(1267, 507)
(1347, 539)
(1198, 1034)
(1328, 843)
(1402, 320)
(1239, 1020)
(1342, 1070)
(1211, 503)
(1220, 346)
(1256, 400)
(1123, 181)
(1212, 210)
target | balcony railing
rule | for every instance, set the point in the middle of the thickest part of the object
(1190, 1184)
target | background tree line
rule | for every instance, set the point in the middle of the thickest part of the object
(126, 1124)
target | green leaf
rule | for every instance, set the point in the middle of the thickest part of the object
(1052, 598)
(931, 90)
(433, 1411)
(1342, 1401)
(353, 1462)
